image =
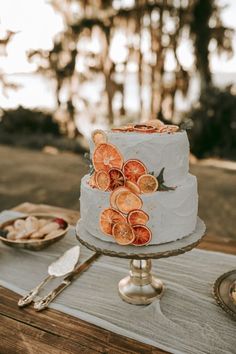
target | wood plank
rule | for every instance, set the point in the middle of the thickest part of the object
(17, 337)
(70, 328)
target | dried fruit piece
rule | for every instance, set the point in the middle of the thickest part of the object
(123, 233)
(172, 128)
(127, 201)
(61, 222)
(99, 137)
(114, 195)
(142, 235)
(91, 181)
(117, 178)
(144, 128)
(102, 180)
(155, 123)
(107, 156)
(137, 217)
(124, 128)
(133, 169)
(147, 183)
(108, 218)
(133, 187)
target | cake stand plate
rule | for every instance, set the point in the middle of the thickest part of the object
(141, 287)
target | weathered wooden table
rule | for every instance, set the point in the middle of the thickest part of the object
(22, 331)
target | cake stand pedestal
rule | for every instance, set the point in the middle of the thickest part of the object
(141, 287)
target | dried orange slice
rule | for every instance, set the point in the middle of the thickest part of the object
(123, 233)
(172, 128)
(147, 183)
(137, 217)
(127, 201)
(144, 128)
(125, 128)
(142, 235)
(114, 194)
(107, 156)
(133, 169)
(99, 137)
(117, 178)
(108, 218)
(154, 123)
(91, 181)
(133, 187)
(102, 180)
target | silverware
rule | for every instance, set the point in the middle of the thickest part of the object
(45, 301)
(62, 266)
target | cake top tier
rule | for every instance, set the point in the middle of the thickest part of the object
(163, 146)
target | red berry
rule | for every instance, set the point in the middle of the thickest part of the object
(62, 223)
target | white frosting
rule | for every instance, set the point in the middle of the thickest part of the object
(155, 151)
(172, 214)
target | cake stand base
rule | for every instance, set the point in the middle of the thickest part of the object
(140, 287)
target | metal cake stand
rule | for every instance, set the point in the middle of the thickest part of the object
(141, 287)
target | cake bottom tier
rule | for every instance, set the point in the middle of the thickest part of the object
(172, 214)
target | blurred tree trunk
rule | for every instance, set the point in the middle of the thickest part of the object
(202, 12)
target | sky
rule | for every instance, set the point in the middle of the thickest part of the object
(36, 23)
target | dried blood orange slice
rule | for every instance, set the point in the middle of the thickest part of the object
(144, 128)
(117, 178)
(99, 137)
(133, 169)
(133, 187)
(114, 195)
(107, 156)
(127, 201)
(137, 217)
(123, 233)
(142, 235)
(102, 180)
(147, 183)
(108, 218)
(91, 181)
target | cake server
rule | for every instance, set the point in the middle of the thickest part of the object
(45, 301)
(62, 266)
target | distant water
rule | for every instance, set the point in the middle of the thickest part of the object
(37, 91)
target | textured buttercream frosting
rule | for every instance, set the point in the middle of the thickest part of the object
(156, 151)
(172, 214)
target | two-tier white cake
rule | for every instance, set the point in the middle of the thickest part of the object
(120, 201)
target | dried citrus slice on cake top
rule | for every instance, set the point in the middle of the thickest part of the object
(107, 156)
(99, 137)
(132, 186)
(133, 169)
(144, 128)
(127, 201)
(117, 178)
(123, 233)
(114, 194)
(124, 128)
(102, 180)
(148, 183)
(142, 235)
(137, 217)
(154, 123)
(108, 218)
